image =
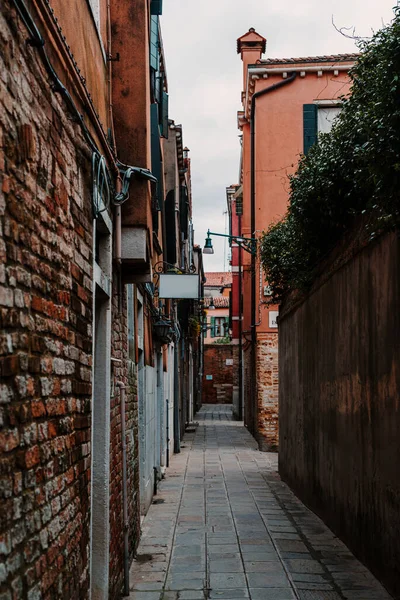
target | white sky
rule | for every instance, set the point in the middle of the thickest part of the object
(205, 79)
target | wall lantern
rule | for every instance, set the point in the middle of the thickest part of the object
(163, 331)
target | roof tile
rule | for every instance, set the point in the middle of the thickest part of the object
(311, 59)
(218, 278)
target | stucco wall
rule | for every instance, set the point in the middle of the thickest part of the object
(339, 356)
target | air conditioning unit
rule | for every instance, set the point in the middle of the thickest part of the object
(267, 290)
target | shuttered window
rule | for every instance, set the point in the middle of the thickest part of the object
(164, 115)
(212, 327)
(156, 162)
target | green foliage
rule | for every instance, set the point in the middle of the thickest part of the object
(353, 170)
(223, 340)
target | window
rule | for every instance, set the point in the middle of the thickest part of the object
(318, 118)
(326, 117)
(220, 326)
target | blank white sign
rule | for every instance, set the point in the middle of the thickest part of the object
(178, 286)
(273, 318)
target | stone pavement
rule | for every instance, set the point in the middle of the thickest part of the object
(224, 526)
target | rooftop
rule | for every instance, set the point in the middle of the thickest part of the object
(334, 58)
(219, 301)
(218, 278)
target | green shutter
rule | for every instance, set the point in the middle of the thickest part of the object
(164, 115)
(155, 149)
(154, 43)
(310, 125)
(226, 326)
(156, 7)
(212, 327)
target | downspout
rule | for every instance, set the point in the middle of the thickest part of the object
(121, 385)
(267, 90)
(167, 431)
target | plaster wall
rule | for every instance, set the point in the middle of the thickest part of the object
(278, 146)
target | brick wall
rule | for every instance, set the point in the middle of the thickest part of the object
(124, 372)
(219, 389)
(45, 342)
(267, 390)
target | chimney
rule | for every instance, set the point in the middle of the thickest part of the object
(250, 46)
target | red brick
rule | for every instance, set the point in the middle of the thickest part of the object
(38, 408)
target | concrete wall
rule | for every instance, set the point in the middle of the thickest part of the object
(219, 390)
(339, 356)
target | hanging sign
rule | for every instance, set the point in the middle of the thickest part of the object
(172, 285)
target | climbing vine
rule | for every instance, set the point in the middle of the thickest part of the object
(353, 170)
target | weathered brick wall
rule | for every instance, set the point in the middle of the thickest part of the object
(267, 391)
(219, 389)
(248, 398)
(45, 341)
(124, 372)
(339, 378)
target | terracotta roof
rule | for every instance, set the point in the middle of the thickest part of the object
(310, 59)
(219, 302)
(218, 278)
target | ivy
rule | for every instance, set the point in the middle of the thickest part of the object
(353, 170)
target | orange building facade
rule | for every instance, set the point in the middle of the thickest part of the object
(285, 104)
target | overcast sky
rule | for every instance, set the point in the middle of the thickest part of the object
(205, 78)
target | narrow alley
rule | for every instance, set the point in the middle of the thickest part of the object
(223, 525)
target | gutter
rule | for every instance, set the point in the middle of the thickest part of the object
(308, 69)
(253, 323)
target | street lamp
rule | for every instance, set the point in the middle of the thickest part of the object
(208, 247)
(248, 244)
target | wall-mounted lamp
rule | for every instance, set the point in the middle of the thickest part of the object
(248, 244)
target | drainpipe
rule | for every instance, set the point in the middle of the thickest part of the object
(267, 90)
(124, 490)
(167, 428)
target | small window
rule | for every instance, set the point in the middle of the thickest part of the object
(219, 327)
(317, 118)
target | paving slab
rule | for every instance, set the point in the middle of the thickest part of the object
(224, 526)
